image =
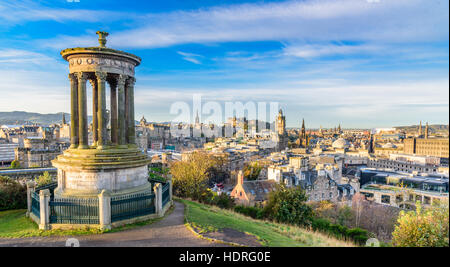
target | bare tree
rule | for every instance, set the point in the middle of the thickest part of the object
(357, 205)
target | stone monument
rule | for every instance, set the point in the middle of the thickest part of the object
(113, 162)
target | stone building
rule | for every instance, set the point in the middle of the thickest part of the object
(438, 147)
(36, 152)
(7, 153)
(425, 145)
(281, 136)
(152, 135)
(251, 192)
(402, 166)
(319, 186)
(303, 138)
(64, 129)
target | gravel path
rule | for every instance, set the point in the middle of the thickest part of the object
(168, 232)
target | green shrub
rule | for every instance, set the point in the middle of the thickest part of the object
(191, 176)
(224, 201)
(43, 179)
(158, 174)
(288, 205)
(357, 235)
(13, 195)
(424, 227)
(338, 230)
(254, 212)
(319, 224)
(15, 164)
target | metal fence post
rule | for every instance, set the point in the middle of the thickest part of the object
(44, 199)
(104, 212)
(158, 198)
(30, 189)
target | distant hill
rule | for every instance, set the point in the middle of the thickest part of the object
(22, 117)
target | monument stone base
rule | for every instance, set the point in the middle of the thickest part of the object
(87, 172)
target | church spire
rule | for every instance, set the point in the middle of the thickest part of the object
(303, 128)
(197, 119)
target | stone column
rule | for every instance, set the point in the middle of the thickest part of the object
(104, 205)
(94, 111)
(30, 189)
(73, 111)
(114, 122)
(82, 111)
(101, 114)
(121, 111)
(44, 199)
(131, 131)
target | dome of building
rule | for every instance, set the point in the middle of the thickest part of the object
(389, 145)
(340, 143)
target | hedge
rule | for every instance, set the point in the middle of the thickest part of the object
(254, 212)
(358, 235)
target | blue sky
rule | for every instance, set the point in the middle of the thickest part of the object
(361, 63)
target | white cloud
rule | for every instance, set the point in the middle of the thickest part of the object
(318, 50)
(23, 58)
(310, 20)
(16, 12)
(190, 57)
(382, 103)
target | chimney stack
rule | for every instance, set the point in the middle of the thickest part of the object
(240, 178)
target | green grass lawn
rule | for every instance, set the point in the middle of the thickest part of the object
(14, 224)
(210, 218)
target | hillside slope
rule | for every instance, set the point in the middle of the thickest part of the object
(209, 218)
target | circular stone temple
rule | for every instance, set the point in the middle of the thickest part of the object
(111, 161)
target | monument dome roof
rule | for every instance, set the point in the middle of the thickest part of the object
(100, 50)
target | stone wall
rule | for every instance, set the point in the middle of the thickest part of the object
(24, 175)
(323, 189)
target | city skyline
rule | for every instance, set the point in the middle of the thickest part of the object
(381, 64)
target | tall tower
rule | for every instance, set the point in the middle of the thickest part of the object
(245, 125)
(197, 119)
(281, 131)
(303, 134)
(426, 131)
(63, 119)
(234, 125)
(281, 123)
(370, 150)
(420, 129)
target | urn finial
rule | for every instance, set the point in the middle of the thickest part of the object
(102, 38)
